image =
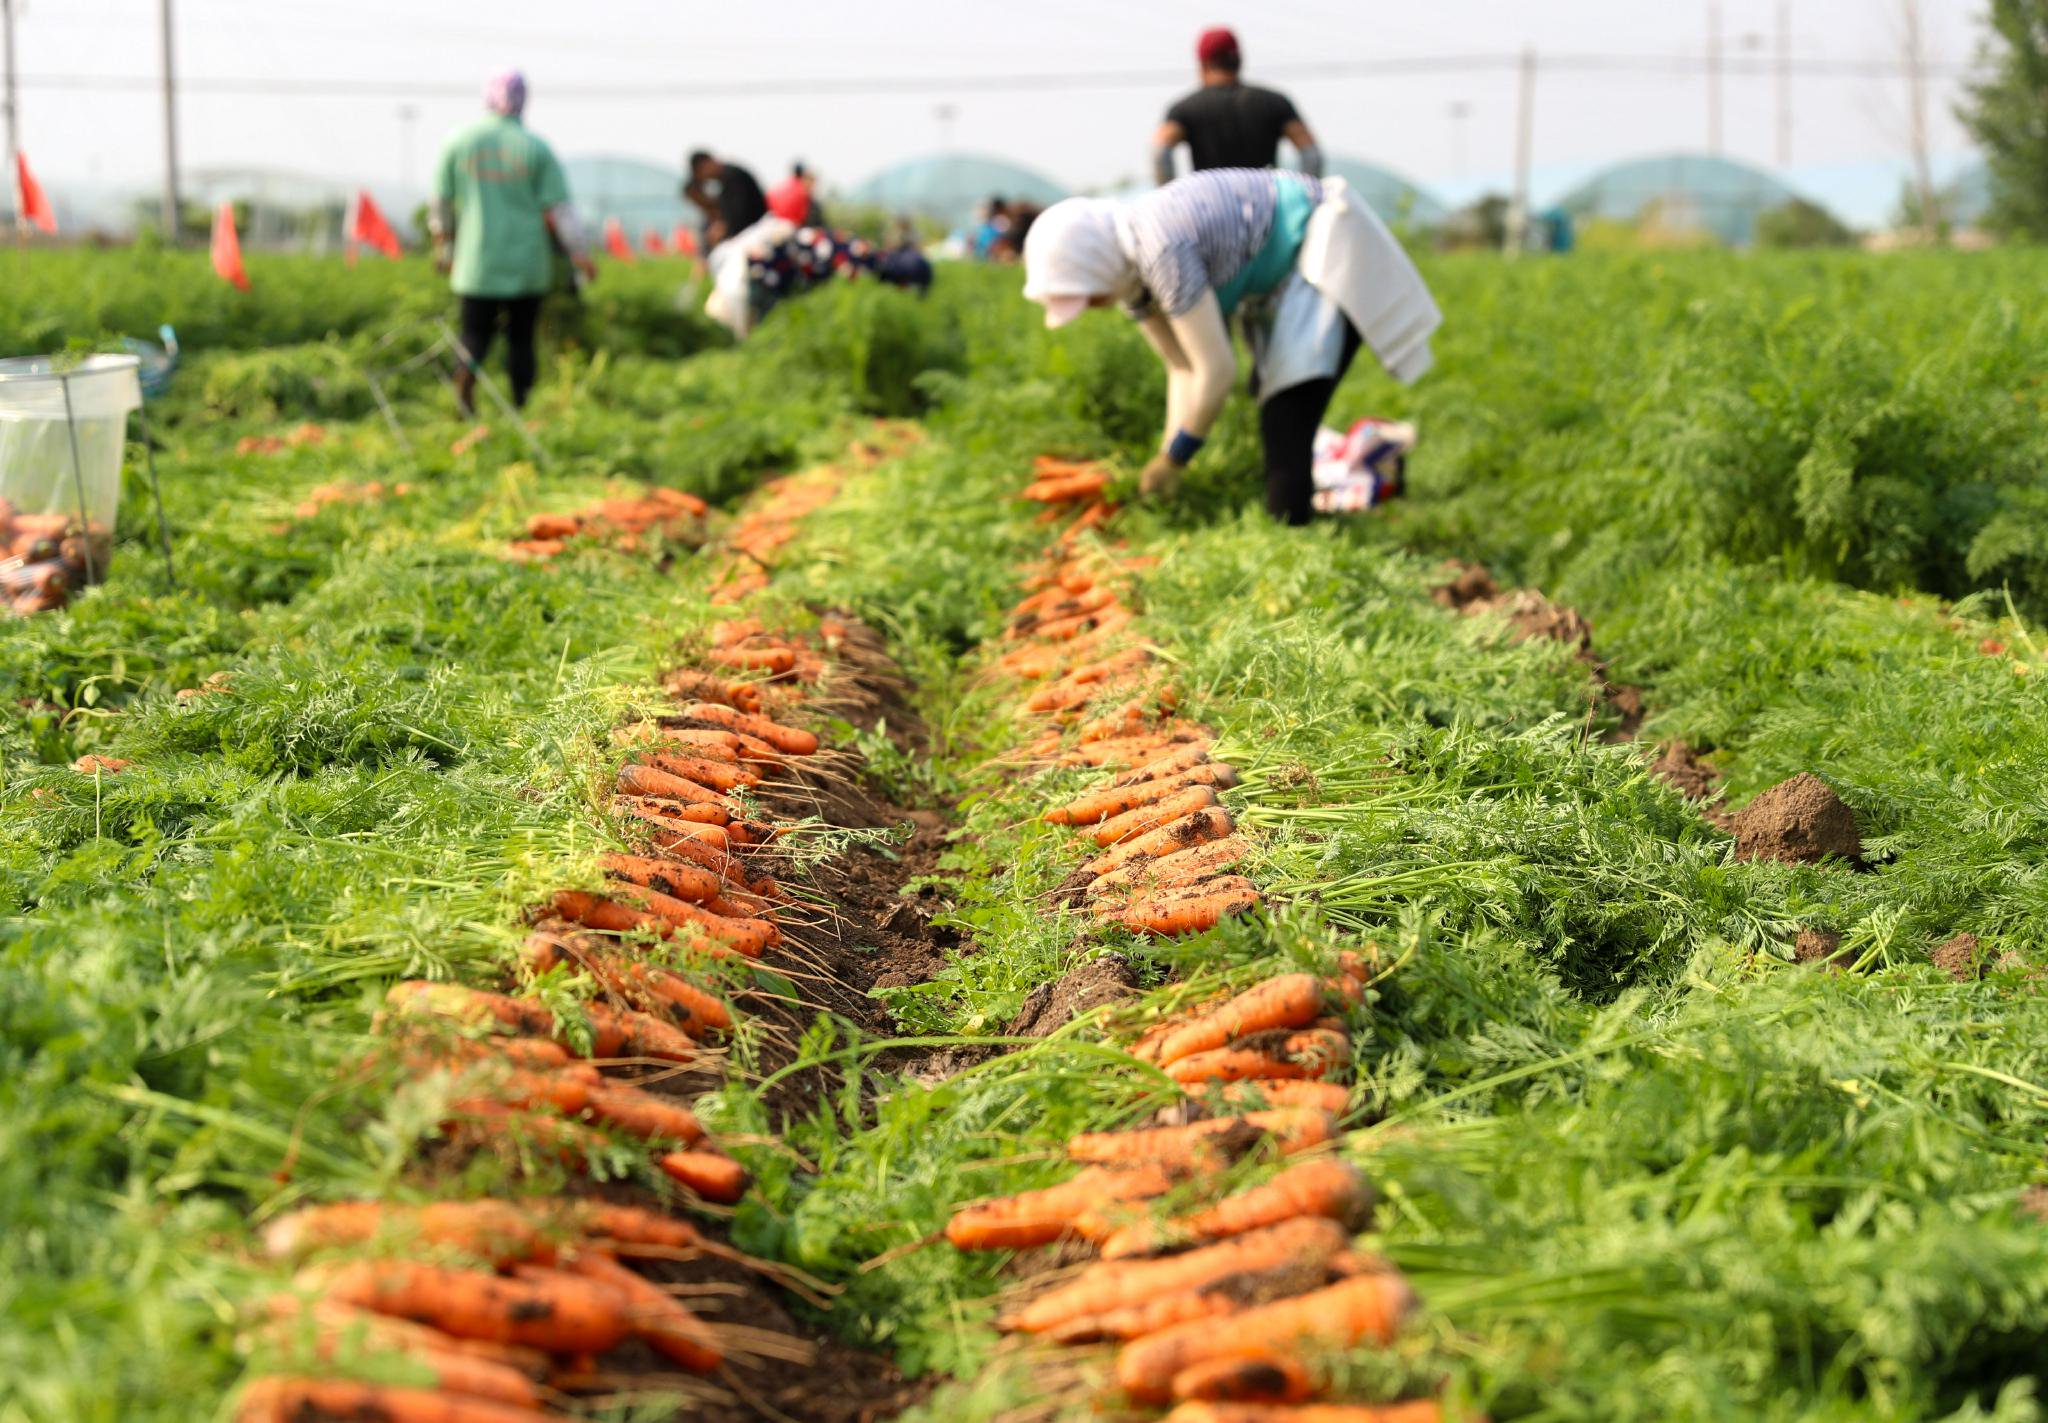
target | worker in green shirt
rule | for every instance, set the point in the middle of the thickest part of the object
(501, 202)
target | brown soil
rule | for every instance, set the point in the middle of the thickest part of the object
(2034, 1201)
(1819, 948)
(1961, 958)
(1472, 591)
(1800, 821)
(1088, 985)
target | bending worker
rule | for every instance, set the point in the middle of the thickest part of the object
(1230, 124)
(728, 195)
(1307, 267)
(500, 191)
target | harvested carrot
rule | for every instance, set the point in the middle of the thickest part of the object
(1251, 1378)
(1107, 804)
(563, 1317)
(657, 808)
(710, 1174)
(1315, 1053)
(1420, 1410)
(669, 1328)
(1040, 1217)
(1182, 867)
(791, 739)
(452, 1370)
(641, 1113)
(706, 771)
(490, 1230)
(297, 1319)
(1324, 1186)
(665, 876)
(1141, 818)
(615, 1031)
(1367, 1309)
(690, 684)
(1140, 749)
(486, 1123)
(696, 1012)
(1331, 1097)
(1107, 1287)
(741, 935)
(1291, 1000)
(1181, 758)
(534, 1054)
(1195, 828)
(1133, 716)
(638, 780)
(553, 526)
(284, 1398)
(755, 659)
(1292, 1129)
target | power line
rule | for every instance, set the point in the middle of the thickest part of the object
(833, 85)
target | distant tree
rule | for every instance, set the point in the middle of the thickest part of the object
(1799, 223)
(1483, 224)
(2007, 111)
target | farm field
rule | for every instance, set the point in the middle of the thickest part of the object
(1593, 1089)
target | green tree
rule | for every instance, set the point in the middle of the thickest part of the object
(2007, 111)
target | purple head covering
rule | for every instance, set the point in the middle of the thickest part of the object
(506, 94)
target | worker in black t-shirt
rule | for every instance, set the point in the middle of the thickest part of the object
(1230, 124)
(734, 206)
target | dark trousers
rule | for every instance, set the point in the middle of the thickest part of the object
(480, 318)
(1288, 422)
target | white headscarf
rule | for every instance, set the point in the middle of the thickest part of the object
(1071, 254)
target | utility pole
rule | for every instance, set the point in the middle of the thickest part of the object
(172, 209)
(1714, 77)
(1525, 151)
(1460, 110)
(10, 113)
(1914, 53)
(1784, 67)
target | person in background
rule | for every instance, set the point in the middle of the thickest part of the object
(795, 198)
(728, 196)
(1009, 244)
(1306, 265)
(995, 221)
(1230, 124)
(501, 204)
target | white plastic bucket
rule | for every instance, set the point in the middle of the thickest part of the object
(63, 433)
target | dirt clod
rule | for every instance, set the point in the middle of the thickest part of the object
(1961, 958)
(1086, 986)
(2034, 1202)
(1799, 821)
(1819, 948)
(1681, 768)
(1470, 583)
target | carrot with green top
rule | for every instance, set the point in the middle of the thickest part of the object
(710, 1174)
(1043, 1216)
(646, 985)
(670, 1329)
(1292, 1129)
(1106, 1287)
(1314, 1052)
(1250, 1378)
(1420, 1410)
(288, 1398)
(1368, 1309)
(1195, 828)
(793, 740)
(1141, 818)
(1290, 1000)
(646, 1115)
(562, 1317)
(1323, 1186)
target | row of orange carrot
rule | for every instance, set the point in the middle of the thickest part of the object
(1226, 1303)
(506, 1304)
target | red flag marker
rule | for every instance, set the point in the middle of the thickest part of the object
(684, 240)
(34, 206)
(227, 248)
(652, 245)
(615, 240)
(368, 226)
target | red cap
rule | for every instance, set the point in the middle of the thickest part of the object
(1218, 43)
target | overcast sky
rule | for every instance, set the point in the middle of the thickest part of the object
(1081, 136)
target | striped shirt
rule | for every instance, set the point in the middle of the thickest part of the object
(1198, 232)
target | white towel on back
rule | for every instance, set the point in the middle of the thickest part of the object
(1352, 257)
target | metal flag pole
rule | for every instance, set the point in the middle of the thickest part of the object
(156, 492)
(78, 477)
